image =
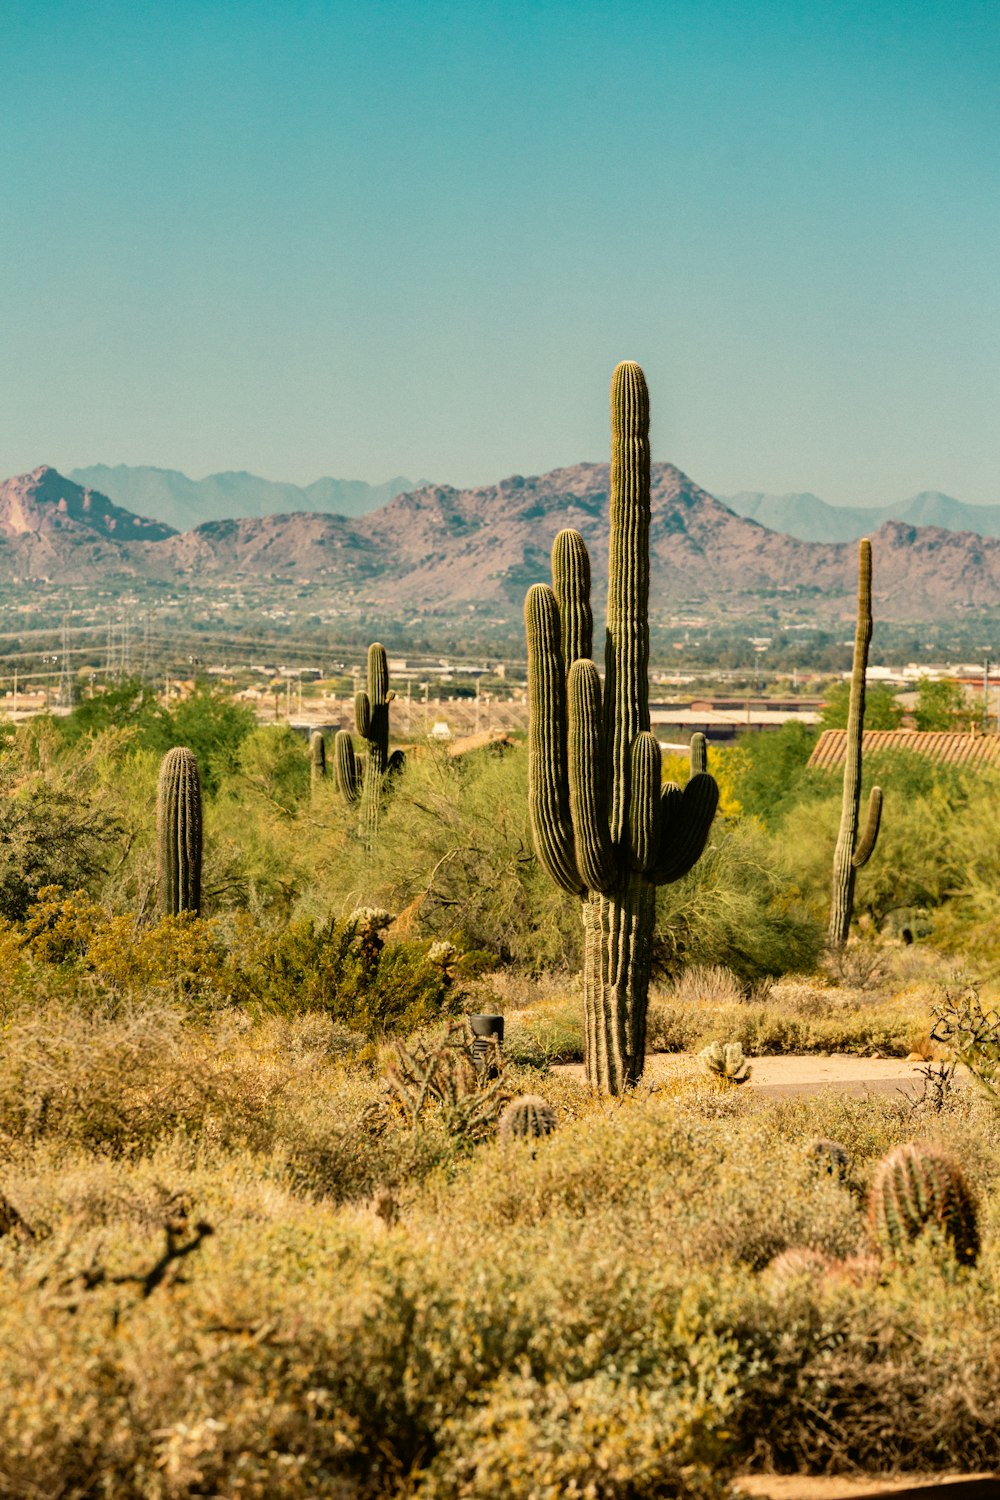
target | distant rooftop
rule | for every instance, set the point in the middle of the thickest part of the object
(938, 744)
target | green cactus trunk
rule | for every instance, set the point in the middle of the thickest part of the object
(617, 962)
(179, 833)
(604, 827)
(851, 852)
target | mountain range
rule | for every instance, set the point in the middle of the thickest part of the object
(439, 549)
(169, 496)
(811, 519)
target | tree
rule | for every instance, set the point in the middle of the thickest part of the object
(940, 704)
(882, 708)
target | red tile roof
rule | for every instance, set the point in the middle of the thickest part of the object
(939, 744)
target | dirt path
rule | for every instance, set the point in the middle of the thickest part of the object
(788, 1076)
(792, 1487)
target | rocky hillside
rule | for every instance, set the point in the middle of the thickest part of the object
(436, 547)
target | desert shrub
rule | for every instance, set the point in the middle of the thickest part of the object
(590, 1317)
(270, 767)
(790, 1022)
(58, 825)
(738, 908)
(455, 850)
(766, 771)
(930, 812)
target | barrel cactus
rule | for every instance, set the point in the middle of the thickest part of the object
(830, 1157)
(362, 779)
(604, 827)
(851, 851)
(918, 1187)
(527, 1118)
(178, 832)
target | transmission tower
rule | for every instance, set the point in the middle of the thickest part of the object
(65, 670)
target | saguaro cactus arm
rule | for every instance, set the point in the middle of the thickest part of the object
(363, 714)
(645, 810)
(866, 843)
(317, 754)
(686, 823)
(571, 586)
(595, 855)
(548, 781)
(626, 687)
(349, 768)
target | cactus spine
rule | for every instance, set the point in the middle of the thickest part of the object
(851, 852)
(362, 779)
(317, 758)
(916, 1187)
(178, 833)
(604, 828)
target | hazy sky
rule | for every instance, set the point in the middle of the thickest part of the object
(365, 239)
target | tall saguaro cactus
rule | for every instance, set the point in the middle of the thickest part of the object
(604, 827)
(178, 832)
(852, 852)
(362, 779)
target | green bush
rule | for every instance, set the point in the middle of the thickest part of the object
(739, 907)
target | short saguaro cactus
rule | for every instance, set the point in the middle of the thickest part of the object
(362, 778)
(179, 832)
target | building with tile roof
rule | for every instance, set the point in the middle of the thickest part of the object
(973, 749)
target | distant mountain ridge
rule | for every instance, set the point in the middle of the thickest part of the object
(169, 496)
(443, 551)
(811, 519)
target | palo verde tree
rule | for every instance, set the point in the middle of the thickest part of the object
(851, 852)
(362, 778)
(604, 827)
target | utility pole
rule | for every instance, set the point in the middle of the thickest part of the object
(986, 693)
(145, 649)
(65, 675)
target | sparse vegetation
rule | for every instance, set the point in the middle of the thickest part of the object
(268, 1229)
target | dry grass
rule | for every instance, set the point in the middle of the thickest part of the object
(385, 1310)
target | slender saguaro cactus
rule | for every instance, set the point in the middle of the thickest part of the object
(362, 779)
(317, 758)
(604, 827)
(851, 852)
(178, 833)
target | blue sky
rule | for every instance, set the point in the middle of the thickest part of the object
(377, 238)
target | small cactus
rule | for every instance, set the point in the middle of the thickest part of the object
(918, 1187)
(830, 1157)
(527, 1118)
(178, 833)
(317, 757)
(725, 1062)
(799, 1261)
